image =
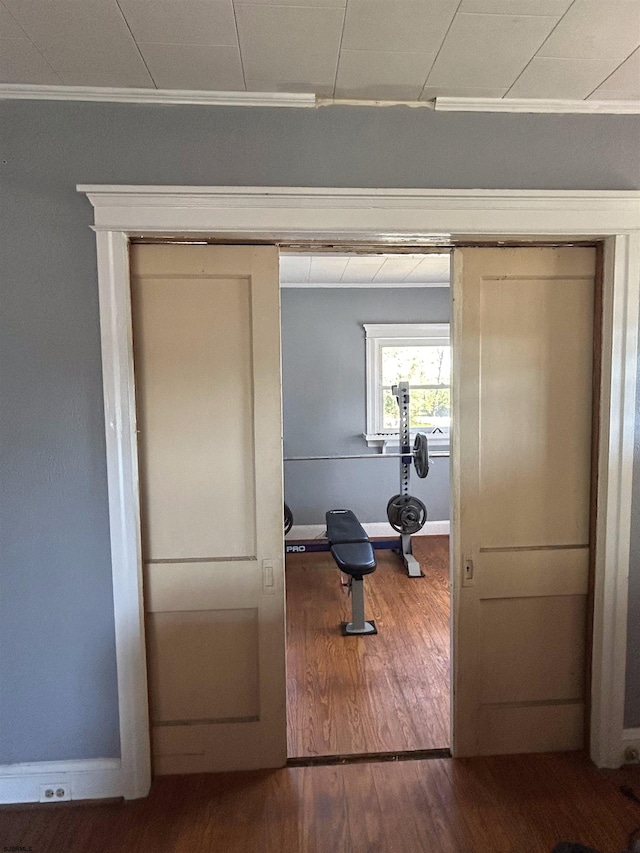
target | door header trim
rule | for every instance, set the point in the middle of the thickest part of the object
(383, 216)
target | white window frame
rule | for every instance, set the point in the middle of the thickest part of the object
(377, 336)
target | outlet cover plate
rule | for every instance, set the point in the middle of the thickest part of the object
(56, 792)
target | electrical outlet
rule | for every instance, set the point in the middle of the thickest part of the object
(631, 755)
(56, 792)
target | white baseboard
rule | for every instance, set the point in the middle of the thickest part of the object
(630, 741)
(90, 779)
(373, 529)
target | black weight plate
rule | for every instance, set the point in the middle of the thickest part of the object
(421, 455)
(406, 514)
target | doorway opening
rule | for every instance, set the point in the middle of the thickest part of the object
(354, 325)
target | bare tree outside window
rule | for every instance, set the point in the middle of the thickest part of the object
(428, 370)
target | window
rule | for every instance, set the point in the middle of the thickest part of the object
(421, 354)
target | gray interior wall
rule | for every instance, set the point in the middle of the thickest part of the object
(324, 400)
(58, 695)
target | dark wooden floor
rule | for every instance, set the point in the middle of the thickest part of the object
(514, 804)
(384, 693)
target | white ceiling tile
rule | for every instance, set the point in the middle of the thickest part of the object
(81, 39)
(408, 26)
(362, 269)
(488, 51)
(593, 29)
(194, 66)
(396, 269)
(615, 95)
(547, 77)
(294, 268)
(286, 44)
(624, 83)
(105, 64)
(327, 268)
(382, 75)
(431, 92)
(113, 78)
(186, 22)
(68, 18)
(349, 269)
(20, 62)
(431, 268)
(9, 27)
(323, 90)
(516, 7)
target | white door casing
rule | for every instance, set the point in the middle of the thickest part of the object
(410, 217)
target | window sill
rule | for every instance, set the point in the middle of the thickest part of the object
(438, 443)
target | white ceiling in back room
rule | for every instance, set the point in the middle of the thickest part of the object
(345, 49)
(356, 270)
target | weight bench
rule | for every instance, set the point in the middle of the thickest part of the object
(353, 553)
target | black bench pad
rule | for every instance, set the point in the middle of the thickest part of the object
(350, 545)
(354, 558)
(343, 526)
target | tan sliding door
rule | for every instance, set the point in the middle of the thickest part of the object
(206, 324)
(523, 343)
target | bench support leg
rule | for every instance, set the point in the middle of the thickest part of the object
(358, 624)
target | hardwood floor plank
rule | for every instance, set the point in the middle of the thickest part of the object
(504, 804)
(365, 694)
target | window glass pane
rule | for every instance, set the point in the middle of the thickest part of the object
(420, 365)
(428, 409)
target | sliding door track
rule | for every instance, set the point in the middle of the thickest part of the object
(368, 757)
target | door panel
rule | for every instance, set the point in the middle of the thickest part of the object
(523, 338)
(510, 630)
(181, 677)
(207, 363)
(508, 728)
(535, 443)
(194, 375)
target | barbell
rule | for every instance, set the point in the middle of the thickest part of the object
(419, 455)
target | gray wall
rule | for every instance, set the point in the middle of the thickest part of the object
(57, 669)
(323, 392)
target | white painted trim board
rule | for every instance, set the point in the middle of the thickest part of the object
(305, 100)
(84, 780)
(345, 285)
(373, 529)
(101, 94)
(631, 740)
(536, 105)
(424, 217)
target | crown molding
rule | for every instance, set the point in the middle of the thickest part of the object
(348, 285)
(535, 105)
(322, 101)
(19, 91)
